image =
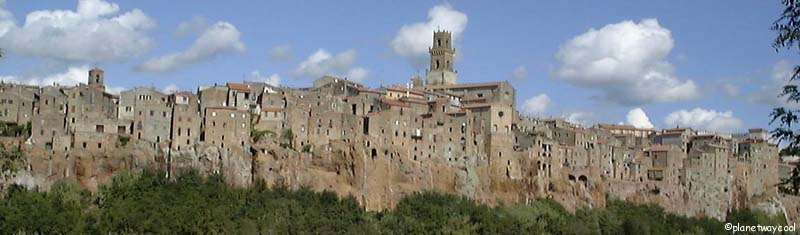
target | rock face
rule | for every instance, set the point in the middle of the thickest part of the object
(378, 182)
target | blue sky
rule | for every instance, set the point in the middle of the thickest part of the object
(706, 64)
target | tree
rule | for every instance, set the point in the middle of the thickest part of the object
(788, 28)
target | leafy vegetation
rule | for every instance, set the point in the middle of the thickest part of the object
(10, 129)
(788, 28)
(288, 137)
(147, 203)
(256, 135)
(11, 159)
(123, 140)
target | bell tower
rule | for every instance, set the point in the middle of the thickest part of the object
(441, 71)
(96, 79)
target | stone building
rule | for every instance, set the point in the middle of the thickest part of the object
(185, 128)
(49, 128)
(227, 128)
(149, 113)
(16, 103)
(380, 144)
(442, 53)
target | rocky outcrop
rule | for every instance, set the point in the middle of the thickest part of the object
(377, 182)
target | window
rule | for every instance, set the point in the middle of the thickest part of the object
(500, 114)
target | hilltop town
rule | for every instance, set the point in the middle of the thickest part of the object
(379, 144)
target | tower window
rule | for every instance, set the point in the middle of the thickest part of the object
(439, 42)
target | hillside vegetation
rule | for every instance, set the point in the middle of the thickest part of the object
(147, 203)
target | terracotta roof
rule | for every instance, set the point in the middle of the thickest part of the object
(403, 89)
(394, 102)
(414, 100)
(677, 129)
(465, 85)
(622, 127)
(238, 86)
(657, 168)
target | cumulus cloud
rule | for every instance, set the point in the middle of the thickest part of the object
(95, 32)
(519, 73)
(638, 118)
(222, 37)
(627, 62)
(705, 119)
(536, 106)
(196, 25)
(169, 89)
(769, 93)
(280, 53)
(322, 63)
(70, 77)
(578, 117)
(273, 79)
(413, 40)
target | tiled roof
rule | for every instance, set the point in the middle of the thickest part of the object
(465, 85)
(394, 102)
(622, 127)
(403, 89)
(238, 86)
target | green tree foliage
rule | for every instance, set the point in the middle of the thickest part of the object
(148, 203)
(788, 28)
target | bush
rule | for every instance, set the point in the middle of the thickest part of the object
(148, 203)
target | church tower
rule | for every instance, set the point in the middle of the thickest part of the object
(442, 52)
(96, 79)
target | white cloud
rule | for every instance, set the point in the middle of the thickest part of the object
(219, 38)
(196, 25)
(536, 106)
(626, 61)
(638, 118)
(705, 119)
(322, 63)
(519, 73)
(769, 93)
(413, 40)
(273, 79)
(95, 32)
(70, 77)
(280, 53)
(116, 90)
(582, 118)
(169, 89)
